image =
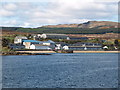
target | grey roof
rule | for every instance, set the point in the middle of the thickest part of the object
(21, 37)
(39, 45)
(77, 38)
(49, 41)
(86, 43)
(60, 42)
(54, 34)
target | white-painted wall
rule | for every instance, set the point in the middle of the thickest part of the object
(58, 46)
(65, 47)
(85, 48)
(105, 47)
(32, 46)
(18, 41)
(44, 36)
(27, 45)
(48, 44)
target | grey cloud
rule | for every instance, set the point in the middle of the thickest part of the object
(36, 14)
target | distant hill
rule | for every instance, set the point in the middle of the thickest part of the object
(99, 24)
(10, 28)
(90, 27)
(89, 24)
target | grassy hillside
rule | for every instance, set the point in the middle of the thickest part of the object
(90, 27)
(68, 30)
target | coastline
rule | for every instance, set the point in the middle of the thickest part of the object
(73, 51)
(50, 52)
(96, 51)
(36, 51)
(22, 53)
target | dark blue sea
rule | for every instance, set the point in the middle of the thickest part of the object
(81, 70)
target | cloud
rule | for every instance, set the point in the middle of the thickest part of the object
(10, 6)
(5, 13)
(57, 12)
(25, 24)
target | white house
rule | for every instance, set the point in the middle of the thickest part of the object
(39, 35)
(44, 36)
(83, 45)
(65, 47)
(68, 38)
(115, 47)
(32, 46)
(85, 48)
(18, 39)
(40, 46)
(27, 43)
(58, 46)
(105, 47)
(54, 36)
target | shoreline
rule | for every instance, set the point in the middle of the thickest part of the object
(22, 53)
(36, 51)
(50, 52)
(96, 51)
(73, 51)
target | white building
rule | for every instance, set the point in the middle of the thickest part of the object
(58, 46)
(54, 36)
(40, 46)
(115, 47)
(85, 48)
(44, 36)
(27, 43)
(18, 39)
(105, 47)
(65, 47)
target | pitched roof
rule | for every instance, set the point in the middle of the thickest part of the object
(49, 41)
(31, 41)
(21, 37)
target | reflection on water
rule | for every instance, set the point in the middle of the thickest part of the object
(84, 70)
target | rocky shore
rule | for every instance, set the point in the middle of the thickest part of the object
(22, 53)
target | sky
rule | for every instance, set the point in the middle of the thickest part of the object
(36, 13)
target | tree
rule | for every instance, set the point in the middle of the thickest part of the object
(5, 42)
(116, 42)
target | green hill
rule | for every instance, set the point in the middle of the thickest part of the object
(91, 27)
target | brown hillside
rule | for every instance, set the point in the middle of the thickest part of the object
(89, 24)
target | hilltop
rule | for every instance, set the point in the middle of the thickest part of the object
(89, 24)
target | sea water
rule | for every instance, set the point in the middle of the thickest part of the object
(76, 70)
